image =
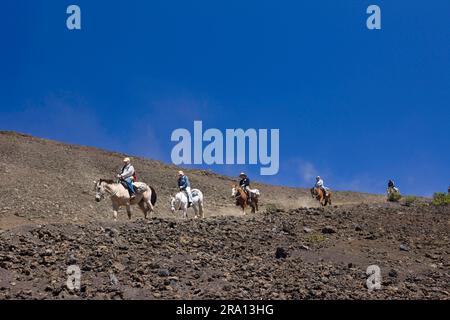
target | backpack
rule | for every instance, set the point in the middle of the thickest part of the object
(135, 179)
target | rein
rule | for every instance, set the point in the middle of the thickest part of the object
(108, 190)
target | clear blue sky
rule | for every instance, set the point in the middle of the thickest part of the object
(356, 106)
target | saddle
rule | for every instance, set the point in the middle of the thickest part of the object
(138, 187)
(124, 184)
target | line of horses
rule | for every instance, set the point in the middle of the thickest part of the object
(146, 198)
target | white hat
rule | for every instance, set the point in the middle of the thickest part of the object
(126, 160)
(242, 174)
(181, 172)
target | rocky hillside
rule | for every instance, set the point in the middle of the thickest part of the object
(295, 254)
(291, 249)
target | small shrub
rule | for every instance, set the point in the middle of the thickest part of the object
(316, 237)
(441, 199)
(410, 200)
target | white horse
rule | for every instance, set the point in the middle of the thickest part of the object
(145, 196)
(180, 202)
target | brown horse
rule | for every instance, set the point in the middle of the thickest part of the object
(242, 199)
(319, 194)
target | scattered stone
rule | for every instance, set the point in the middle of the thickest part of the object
(393, 273)
(281, 253)
(328, 230)
(404, 247)
(71, 260)
(431, 256)
(163, 273)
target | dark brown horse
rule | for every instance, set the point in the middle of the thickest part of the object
(319, 194)
(242, 199)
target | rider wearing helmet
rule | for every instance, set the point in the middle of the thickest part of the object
(126, 175)
(185, 185)
(244, 183)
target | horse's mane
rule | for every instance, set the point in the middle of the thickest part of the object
(109, 181)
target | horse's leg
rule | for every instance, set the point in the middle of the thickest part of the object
(129, 211)
(195, 210)
(141, 205)
(115, 209)
(202, 213)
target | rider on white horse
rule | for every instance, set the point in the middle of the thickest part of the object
(185, 185)
(127, 175)
(320, 185)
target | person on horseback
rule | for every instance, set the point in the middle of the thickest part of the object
(127, 175)
(391, 184)
(391, 187)
(185, 185)
(244, 183)
(320, 185)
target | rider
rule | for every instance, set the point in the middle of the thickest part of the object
(320, 185)
(126, 175)
(185, 185)
(244, 183)
(391, 184)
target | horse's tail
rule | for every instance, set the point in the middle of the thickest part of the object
(153, 196)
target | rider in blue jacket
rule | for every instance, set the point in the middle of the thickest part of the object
(185, 185)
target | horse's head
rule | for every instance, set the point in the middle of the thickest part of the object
(99, 190)
(313, 192)
(233, 190)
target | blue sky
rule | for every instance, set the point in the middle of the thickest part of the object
(356, 106)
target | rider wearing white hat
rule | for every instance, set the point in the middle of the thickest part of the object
(126, 175)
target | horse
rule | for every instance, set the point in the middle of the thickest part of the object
(145, 196)
(319, 194)
(393, 194)
(242, 199)
(180, 202)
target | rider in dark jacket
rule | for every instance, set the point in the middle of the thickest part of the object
(244, 183)
(391, 184)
